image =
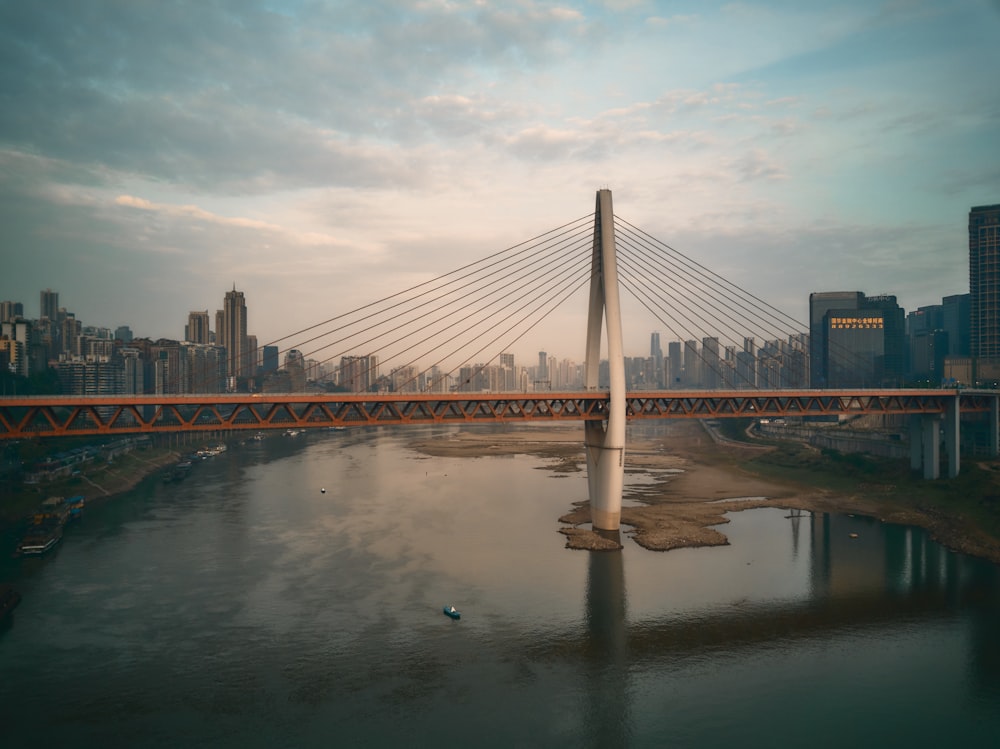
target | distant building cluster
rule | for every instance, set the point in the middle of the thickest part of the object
(853, 341)
(90, 360)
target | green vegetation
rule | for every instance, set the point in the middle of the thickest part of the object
(973, 496)
(735, 429)
(38, 383)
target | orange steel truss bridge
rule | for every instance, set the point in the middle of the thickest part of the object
(64, 416)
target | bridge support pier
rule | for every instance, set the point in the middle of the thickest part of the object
(925, 444)
(925, 441)
(951, 436)
(930, 444)
(605, 440)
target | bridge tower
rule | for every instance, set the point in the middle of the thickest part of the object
(605, 440)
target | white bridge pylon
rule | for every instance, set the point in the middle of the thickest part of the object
(605, 440)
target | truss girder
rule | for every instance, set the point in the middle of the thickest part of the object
(63, 415)
(778, 405)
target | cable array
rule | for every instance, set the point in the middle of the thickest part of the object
(693, 302)
(471, 314)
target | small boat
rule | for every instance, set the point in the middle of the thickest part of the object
(38, 543)
(76, 505)
(452, 612)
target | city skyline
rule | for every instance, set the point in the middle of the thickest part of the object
(382, 146)
(199, 330)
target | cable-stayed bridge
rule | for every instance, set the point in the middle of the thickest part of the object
(465, 320)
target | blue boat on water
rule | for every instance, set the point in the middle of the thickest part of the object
(452, 612)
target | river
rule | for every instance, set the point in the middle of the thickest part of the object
(289, 593)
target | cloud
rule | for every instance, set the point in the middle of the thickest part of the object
(192, 212)
(322, 151)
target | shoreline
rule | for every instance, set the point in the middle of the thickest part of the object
(697, 480)
(97, 483)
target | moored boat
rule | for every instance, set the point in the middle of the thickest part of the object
(75, 506)
(36, 542)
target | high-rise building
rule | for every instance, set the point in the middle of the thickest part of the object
(49, 306)
(132, 365)
(675, 364)
(656, 354)
(17, 335)
(692, 365)
(984, 280)
(220, 323)
(820, 303)
(269, 361)
(509, 372)
(234, 334)
(712, 366)
(295, 367)
(956, 313)
(357, 374)
(856, 341)
(253, 356)
(196, 330)
(11, 311)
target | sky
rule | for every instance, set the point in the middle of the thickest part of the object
(320, 155)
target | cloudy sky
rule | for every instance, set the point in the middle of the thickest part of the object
(321, 154)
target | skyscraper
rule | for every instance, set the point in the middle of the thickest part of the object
(856, 341)
(820, 303)
(984, 280)
(675, 364)
(295, 366)
(269, 361)
(656, 354)
(234, 334)
(357, 374)
(956, 314)
(197, 329)
(49, 306)
(11, 311)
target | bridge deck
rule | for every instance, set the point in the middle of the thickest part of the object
(51, 416)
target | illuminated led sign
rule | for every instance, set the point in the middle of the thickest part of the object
(856, 323)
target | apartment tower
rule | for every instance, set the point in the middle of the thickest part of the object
(984, 281)
(234, 334)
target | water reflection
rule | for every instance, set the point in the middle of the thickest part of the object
(865, 577)
(607, 713)
(246, 606)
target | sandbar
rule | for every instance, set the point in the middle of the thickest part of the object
(692, 480)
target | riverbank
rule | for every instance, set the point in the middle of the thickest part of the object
(689, 481)
(97, 481)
